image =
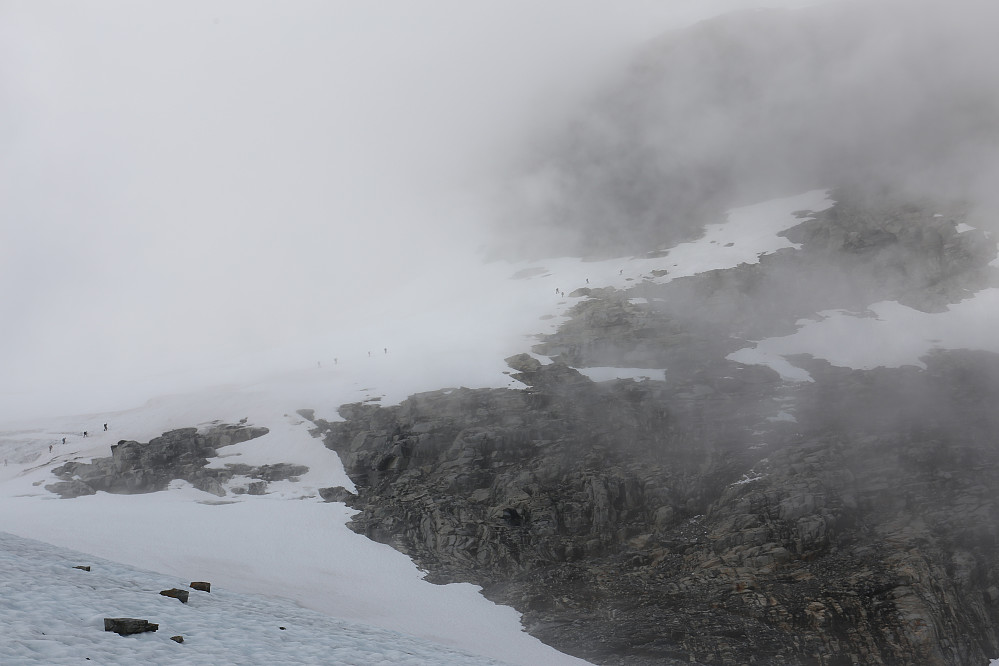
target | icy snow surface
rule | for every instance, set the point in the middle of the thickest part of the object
(53, 613)
(289, 545)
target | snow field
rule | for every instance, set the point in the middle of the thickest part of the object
(299, 550)
(54, 614)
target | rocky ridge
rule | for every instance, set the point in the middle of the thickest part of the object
(722, 516)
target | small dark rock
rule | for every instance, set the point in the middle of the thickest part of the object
(201, 586)
(177, 639)
(336, 494)
(176, 594)
(123, 626)
(82, 567)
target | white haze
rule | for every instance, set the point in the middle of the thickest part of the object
(188, 188)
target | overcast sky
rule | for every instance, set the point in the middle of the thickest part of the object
(188, 181)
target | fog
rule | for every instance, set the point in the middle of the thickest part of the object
(201, 187)
(758, 104)
(183, 184)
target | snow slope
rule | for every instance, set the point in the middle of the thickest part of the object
(53, 613)
(299, 550)
(288, 544)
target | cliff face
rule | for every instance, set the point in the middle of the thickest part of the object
(723, 516)
(633, 523)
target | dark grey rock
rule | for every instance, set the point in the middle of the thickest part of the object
(175, 593)
(70, 489)
(256, 488)
(201, 586)
(141, 468)
(124, 626)
(336, 494)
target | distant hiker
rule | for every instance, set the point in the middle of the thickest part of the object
(369, 354)
(319, 364)
(386, 350)
(84, 433)
(621, 272)
(105, 427)
(64, 441)
(587, 280)
(556, 290)
(50, 448)
(336, 361)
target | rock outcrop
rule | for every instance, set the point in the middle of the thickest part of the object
(723, 516)
(178, 454)
(634, 525)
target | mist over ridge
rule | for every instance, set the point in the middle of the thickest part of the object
(769, 102)
(669, 329)
(194, 185)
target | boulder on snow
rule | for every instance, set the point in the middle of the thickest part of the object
(123, 626)
(201, 586)
(176, 594)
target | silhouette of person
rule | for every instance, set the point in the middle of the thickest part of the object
(105, 427)
(63, 440)
(84, 433)
(386, 350)
(336, 361)
(50, 448)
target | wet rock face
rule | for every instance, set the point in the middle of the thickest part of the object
(722, 516)
(178, 454)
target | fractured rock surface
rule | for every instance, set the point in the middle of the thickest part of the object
(135, 467)
(723, 516)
